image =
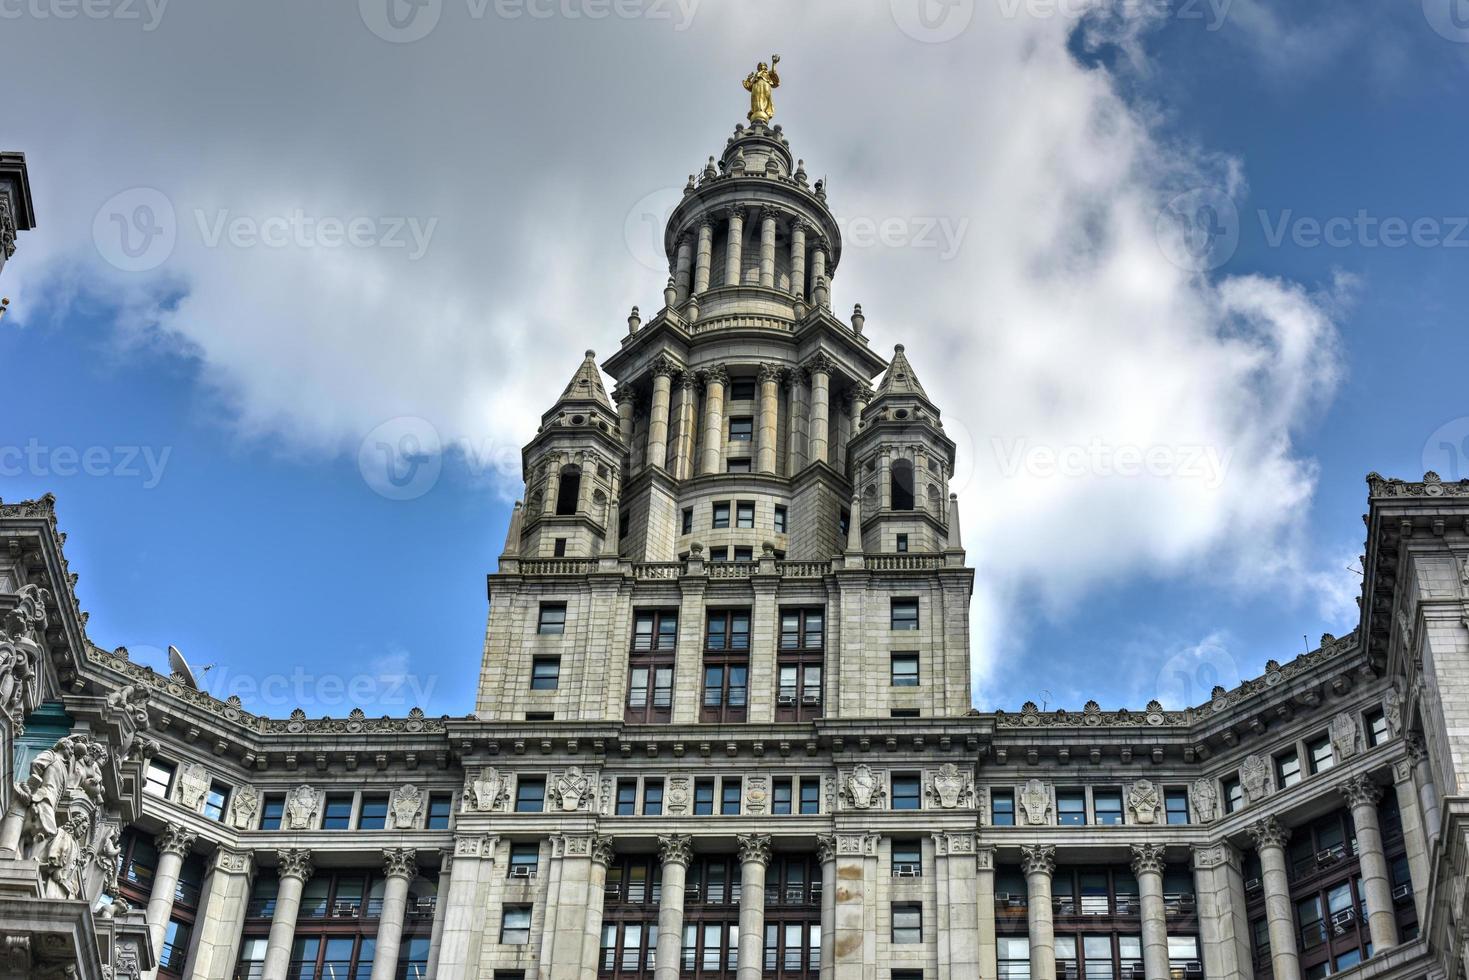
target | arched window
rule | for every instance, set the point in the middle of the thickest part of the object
(902, 484)
(570, 490)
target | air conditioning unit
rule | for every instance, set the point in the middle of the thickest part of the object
(1402, 892)
(1253, 885)
(346, 910)
(1193, 968)
(522, 871)
(1330, 855)
(1186, 901)
(786, 699)
(907, 870)
(1342, 921)
(811, 699)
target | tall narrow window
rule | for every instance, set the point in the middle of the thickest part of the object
(745, 513)
(726, 666)
(568, 491)
(905, 614)
(720, 512)
(741, 428)
(545, 673)
(905, 669)
(799, 663)
(902, 488)
(650, 667)
(780, 520)
(552, 621)
(1002, 808)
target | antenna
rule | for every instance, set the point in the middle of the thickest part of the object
(1305, 642)
(1045, 700)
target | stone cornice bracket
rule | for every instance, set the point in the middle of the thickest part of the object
(676, 849)
(755, 847)
(1038, 859)
(401, 862)
(1268, 832)
(174, 839)
(602, 850)
(715, 375)
(820, 362)
(294, 864)
(826, 848)
(1148, 859)
(1360, 790)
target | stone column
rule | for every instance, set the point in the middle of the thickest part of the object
(1224, 928)
(818, 262)
(221, 915)
(754, 856)
(591, 948)
(820, 368)
(294, 869)
(400, 866)
(984, 900)
(436, 934)
(663, 371)
(464, 903)
(1362, 794)
(174, 844)
(1147, 867)
(885, 479)
(676, 852)
(826, 854)
(1270, 837)
(626, 403)
(767, 248)
(861, 396)
(1427, 791)
(794, 455)
(683, 269)
(798, 258)
(733, 246)
(957, 896)
(1414, 839)
(854, 923)
(683, 440)
(553, 483)
(1039, 863)
(765, 437)
(704, 256)
(713, 449)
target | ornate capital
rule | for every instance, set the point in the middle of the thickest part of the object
(1268, 832)
(715, 375)
(174, 839)
(826, 848)
(819, 363)
(664, 366)
(755, 847)
(624, 394)
(1148, 859)
(1413, 745)
(771, 373)
(1361, 791)
(401, 862)
(688, 380)
(676, 849)
(294, 864)
(602, 850)
(1039, 859)
(231, 861)
(737, 212)
(984, 857)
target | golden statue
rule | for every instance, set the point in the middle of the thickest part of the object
(761, 83)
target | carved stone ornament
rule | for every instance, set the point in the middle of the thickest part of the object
(676, 849)
(1039, 859)
(826, 848)
(862, 789)
(757, 794)
(20, 654)
(1345, 738)
(1392, 710)
(1207, 857)
(401, 862)
(1206, 800)
(405, 804)
(1361, 791)
(572, 790)
(1254, 776)
(62, 858)
(193, 786)
(301, 807)
(38, 827)
(1148, 859)
(1143, 799)
(951, 787)
(244, 805)
(485, 791)
(1268, 832)
(602, 850)
(677, 800)
(295, 864)
(755, 847)
(1035, 803)
(175, 839)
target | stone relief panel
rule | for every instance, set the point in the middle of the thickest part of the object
(678, 797)
(1345, 737)
(1254, 776)
(244, 807)
(486, 790)
(863, 789)
(757, 794)
(950, 788)
(192, 786)
(1392, 710)
(1035, 803)
(1205, 799)
(404, 807)
(1145, 802)
(302, 806)
(572, 790)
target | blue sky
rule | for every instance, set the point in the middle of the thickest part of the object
(249, 378)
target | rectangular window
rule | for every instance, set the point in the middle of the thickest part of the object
(905, 669)
(780, 796)
(907, 791)
(810, 794)
(741, 428)
(1071, 808)
(655, 630)
(440, 806)
(903, 713)
(1175, 804)
(627, 797)
(905, 614)
(515, 925)
(524, 860)
(1107, 805)
(558, 548)
(688, 520)
(780, 520)
(272, 811)
(907, 859)
(902, 544)
(1234, 795)
(741, 389)
(730, 791)
(337, 815)
(1288, 768)
(1377, 730)
(802, 629)
(553, 619)
(739, 465)
(545, 673)
(1002, 808)
(175, 946)
(217, 799)
(158, 779)
(703, 797)
(540, 716)
(1322, 757)
(745, 513)
(374, 815)
(530, 794)
(719, 554)
(652, 797)
(721, 514)
(907, 924)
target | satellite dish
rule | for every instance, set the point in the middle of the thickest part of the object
(180, 666)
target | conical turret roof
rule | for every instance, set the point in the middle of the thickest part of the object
(586, 383)
(900, 379)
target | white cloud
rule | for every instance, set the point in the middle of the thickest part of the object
(1059, 322)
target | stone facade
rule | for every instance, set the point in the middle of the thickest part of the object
(723, 726)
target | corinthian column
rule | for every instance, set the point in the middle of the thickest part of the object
(818, 262)
(704, 257)
(294, 869)
(765, 437)
(754, 856)
(820, 368)
(1039, 863)
(663, 371)
(174, 844)
(676, 852)
(222, 915)
(400, 866)
(683, 440)
(1427, 792)
(1362, 794)
(683, 268)
(714, 382)
(798, 258)
(1270, 837)
(826, 853)
(1147, 867)
(767, 248)
(732, 246)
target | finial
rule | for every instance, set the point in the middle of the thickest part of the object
(634, 320)
(689, 187)
(857, 319)
(737, 165)
(591, 355)
(761, 84)
(822, 293)
(710, 170)
(670, 293)
(801, 172)
(897, 348)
